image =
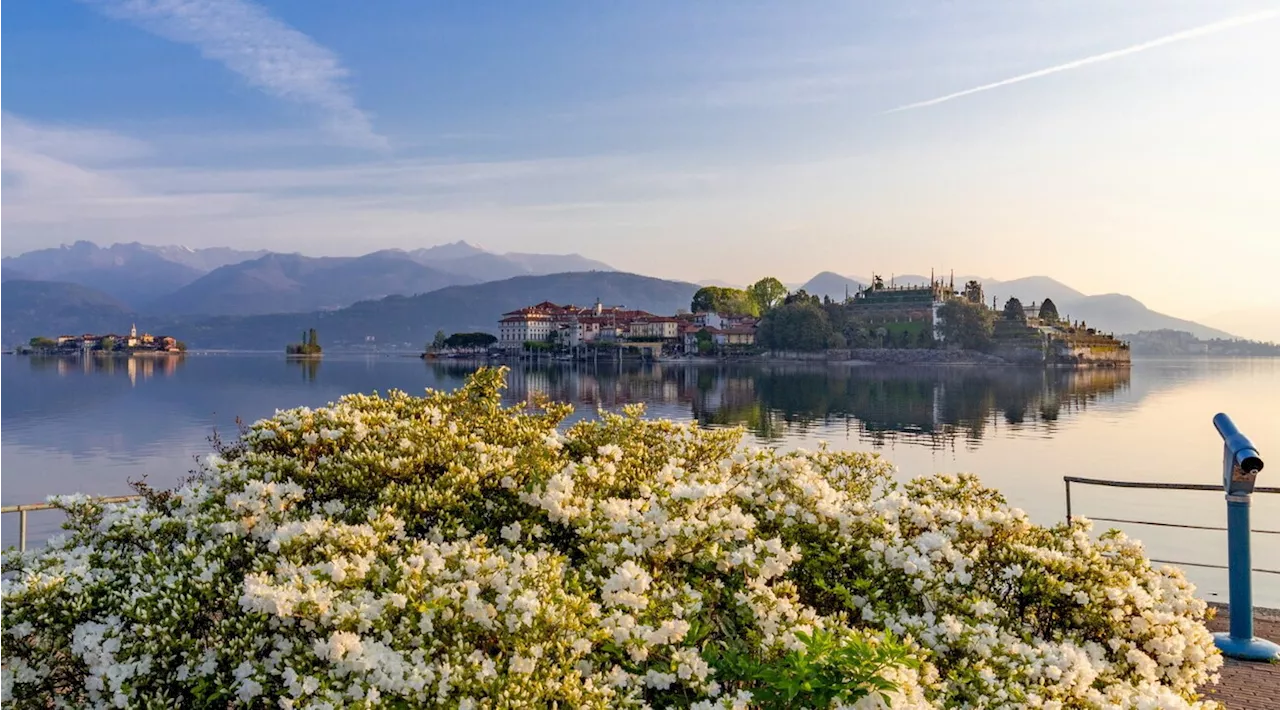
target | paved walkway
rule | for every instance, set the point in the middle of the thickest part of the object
(1245, 685)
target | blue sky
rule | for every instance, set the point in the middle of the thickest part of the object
(686, 140)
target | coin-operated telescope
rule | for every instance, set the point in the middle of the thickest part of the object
(1241, 464)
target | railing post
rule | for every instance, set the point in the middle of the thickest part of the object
(1067, 481)
(1241, 463)
(22, 531)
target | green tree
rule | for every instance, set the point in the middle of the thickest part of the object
(796, 326)
(768, 293)
(107, 344)
(439, 341)
(725, 301)
(42, 342)
(469, 340)
(311, 338)
(1014, 311)
(966, 324)
(1049, 311)
(705, 342)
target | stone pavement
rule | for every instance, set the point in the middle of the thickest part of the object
(1245, 685)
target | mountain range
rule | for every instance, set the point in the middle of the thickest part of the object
(223, 298)
(222, 281)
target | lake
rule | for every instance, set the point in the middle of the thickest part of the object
(91, 427)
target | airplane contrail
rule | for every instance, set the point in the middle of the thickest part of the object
(1211, 28)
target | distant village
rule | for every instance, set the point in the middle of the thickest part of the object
(109, 343)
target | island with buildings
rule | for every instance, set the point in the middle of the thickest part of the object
(105, 345)
(917, 323)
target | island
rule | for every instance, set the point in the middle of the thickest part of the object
(309, 347)
(107, 345)
(916, 323)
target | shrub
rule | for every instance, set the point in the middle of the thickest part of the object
(446, 551)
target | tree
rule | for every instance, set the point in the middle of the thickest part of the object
(800, 325)
(725, 301)
(42, 342)
(310, 344)
(973, 292)
(802, 296)
(107, 344)
(705, 342)
(1014, 311)
(469, 340)
(439, 341)
(768, 293)
(966, 324)
(1049, 311)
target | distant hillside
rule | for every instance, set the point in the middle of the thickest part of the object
(1117, 313)
(52, 308)
(413, 320)
(1028, 289)
(1175, 343)
(292, 283)
(832, 285)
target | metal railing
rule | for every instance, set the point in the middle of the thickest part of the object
(1068, 480)
(22, 511)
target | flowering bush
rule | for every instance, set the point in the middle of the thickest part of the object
(444, 551)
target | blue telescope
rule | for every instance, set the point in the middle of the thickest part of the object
(1241, 463)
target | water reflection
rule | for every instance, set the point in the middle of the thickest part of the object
(133, 367)
(930, 406)
(308, 367)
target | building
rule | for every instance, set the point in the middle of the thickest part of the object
(878, 304)
(650, 327)
(575, 326)
(572, 326)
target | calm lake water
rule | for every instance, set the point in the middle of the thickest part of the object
(68, 427)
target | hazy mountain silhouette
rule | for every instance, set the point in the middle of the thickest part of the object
(832, 285)
(480, 265)
(133, 273)
(292, 283)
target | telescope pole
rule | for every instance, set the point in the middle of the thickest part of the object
(1239, 562)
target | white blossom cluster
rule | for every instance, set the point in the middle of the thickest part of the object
(443, 551)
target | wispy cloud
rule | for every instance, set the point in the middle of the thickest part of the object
(269, 54)
(1193, 33)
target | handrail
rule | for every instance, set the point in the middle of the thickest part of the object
(1153, 484)
(1068, 480)
(25, 508)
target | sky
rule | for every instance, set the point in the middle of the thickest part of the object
(1116, 146)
